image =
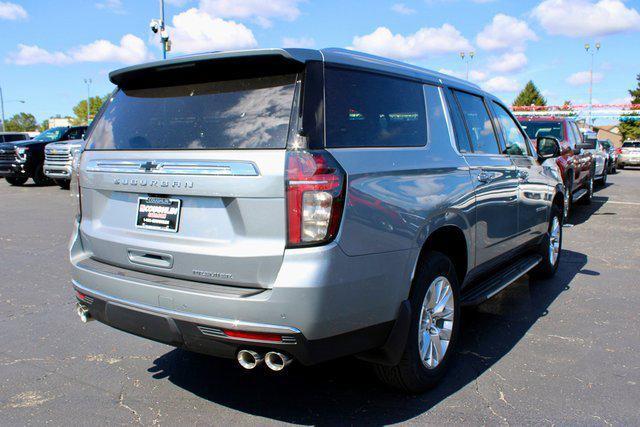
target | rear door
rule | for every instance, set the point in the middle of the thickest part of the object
(495, 178)
(187, 181)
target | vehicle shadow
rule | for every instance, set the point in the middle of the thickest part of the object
(346, 391)
(581, 212)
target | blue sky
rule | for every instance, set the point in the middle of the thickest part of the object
(47, 48)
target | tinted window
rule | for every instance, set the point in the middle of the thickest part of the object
(13, 137)
(543, 128)
(476, 116)
(368, 110)
(632, 144)
(53, 134)
(577, 137)
(516, 144)
(462, 138)
(76, 133)
(235, 114)
(436, 116)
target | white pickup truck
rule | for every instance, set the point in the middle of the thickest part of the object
(58, 157)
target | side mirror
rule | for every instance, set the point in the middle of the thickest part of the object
(547, 147)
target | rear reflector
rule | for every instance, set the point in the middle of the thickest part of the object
(252, 335)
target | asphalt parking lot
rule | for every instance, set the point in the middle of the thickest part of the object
(564, 351)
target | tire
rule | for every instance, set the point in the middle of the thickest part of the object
(568, 201)
(550, 248)
(411, 374)
(620, 167)
(39, 177)
(16, 180)
(63, 183)
(586, 200)
(603, 180)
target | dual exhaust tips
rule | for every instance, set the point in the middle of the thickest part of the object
(274, 360)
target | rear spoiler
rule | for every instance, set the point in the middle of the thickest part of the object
(214, 66)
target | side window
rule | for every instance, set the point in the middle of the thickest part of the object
(436, 116)
(579, 138)
(370, 110)
(516, 143)
(478, 120)
(75, 133)
(462, 138)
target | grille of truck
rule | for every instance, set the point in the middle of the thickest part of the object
(58, 158)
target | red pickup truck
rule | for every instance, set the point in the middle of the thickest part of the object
(575, 162)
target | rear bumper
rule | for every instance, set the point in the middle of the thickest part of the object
(628, 160)
(324, 304)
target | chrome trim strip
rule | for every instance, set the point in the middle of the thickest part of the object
(186, 167)
(189, 317)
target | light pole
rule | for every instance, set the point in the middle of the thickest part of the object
(88, 83)
(157, 26)
(591, 51)
(2, 105)
(467, 57)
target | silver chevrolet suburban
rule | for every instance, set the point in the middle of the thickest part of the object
(284, 205)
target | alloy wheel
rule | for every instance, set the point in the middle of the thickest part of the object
(436, 322)
(554, 241)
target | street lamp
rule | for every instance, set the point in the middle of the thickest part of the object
(88, 83)
(157, 26)
(467, 57)
(2, 105)
(591, 51)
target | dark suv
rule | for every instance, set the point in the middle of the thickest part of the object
(22, 160)
(574, 160)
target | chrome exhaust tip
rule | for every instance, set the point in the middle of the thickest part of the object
(83, 313)
(249, 359)
(277, 361)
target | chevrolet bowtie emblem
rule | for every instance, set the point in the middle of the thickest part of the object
(149, 166)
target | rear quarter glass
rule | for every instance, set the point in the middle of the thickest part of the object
(238, 114)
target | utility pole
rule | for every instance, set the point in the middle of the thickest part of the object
(591, 51)
(157, 26)
(2, 106)
(88, 83)
(467, 57)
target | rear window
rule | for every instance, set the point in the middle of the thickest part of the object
(370, 110)
(13, 137)
(536, 129)
(634, 144)
(237, 114)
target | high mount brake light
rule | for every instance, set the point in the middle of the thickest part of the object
(315, 197)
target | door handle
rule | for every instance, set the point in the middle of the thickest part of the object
(151, 259)
(485, 177)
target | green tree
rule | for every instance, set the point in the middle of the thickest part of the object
(530, 95)
(80, 110)
(22, 122)
(630, 124)
(44, 125)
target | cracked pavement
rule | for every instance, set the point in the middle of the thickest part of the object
(563, 351)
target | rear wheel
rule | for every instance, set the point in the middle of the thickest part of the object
(603, 180)
(586, 199)
(550, 248)
(620, 166)
(568, 200)
(435, 322)
(63, 183)
(17, 180)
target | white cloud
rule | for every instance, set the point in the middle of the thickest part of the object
(582, 78)
(196, 31)
(12, 11)
(420, 44)
(261, 11)
(477, 76)
(131, 50)
(298, 42)
(450, 72)
(505, 33)
(582, 18)
(114, 6)
(501, 84)
(509, 62)
(402, 9)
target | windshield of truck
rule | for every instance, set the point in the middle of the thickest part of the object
(236, 114)
(53, 134)
(543, 128)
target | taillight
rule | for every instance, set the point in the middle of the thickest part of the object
(315, 197)
(75, 181)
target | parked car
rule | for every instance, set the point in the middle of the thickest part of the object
(575, 162)
(600, 157)
(612, 153)
(225, 210)
(22, 160)
(13, 136)
(58, 158)
(629, 154)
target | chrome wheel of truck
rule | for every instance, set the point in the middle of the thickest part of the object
(436, 322)
(554, 240)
